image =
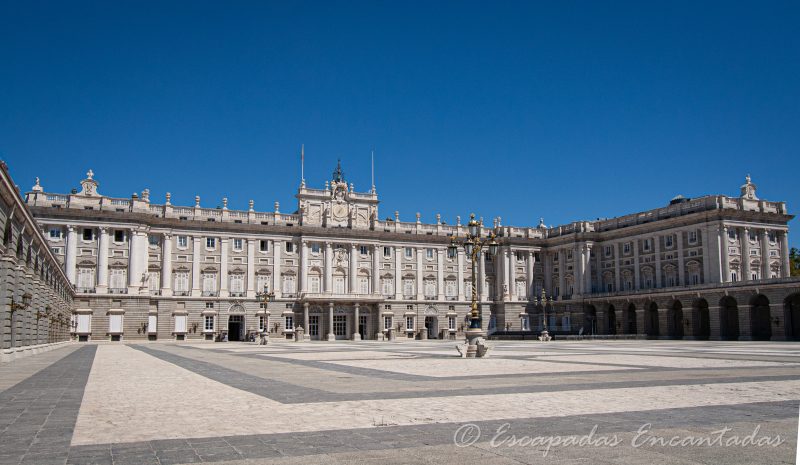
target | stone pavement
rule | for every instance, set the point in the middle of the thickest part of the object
(405, 402)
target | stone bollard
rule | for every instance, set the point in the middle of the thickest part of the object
(423, 334)
(299, 334)
(392, 335)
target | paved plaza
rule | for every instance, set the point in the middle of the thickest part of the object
(402, 403)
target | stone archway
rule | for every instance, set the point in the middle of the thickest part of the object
(651, 320)
(675, 320)
(728, 319)
(702, 323)
(589, 319)
(612, 319)
(792, 317)
(629, 317)
(760, 319)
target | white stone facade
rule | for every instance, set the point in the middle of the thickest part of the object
(143, 269)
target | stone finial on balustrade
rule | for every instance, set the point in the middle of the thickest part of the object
(277, 207)
(438, 218)
(396, 216)
(224, 203)
(250, 205)
(327, 186)
(146, 195)
(419, 216)
(169, 199)
(458, 220)
(37, 187)
(197, 201)
(352, 187)
(499, 222)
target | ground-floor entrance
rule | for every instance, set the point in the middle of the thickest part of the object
(432, 324)
(235, 328)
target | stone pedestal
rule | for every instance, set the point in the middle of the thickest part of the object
(423, 334)
(299, 334)
(474, 337)
(379, 336)
(331, 337)
(356, 336)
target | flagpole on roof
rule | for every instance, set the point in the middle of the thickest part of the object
(302, 165)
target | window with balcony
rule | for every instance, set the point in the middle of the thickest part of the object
(430, 289)
(209, 284)
(288, 284)
(85, 279)
(408, 287)
(313, 284)
(154, 281)
(117, 279)
(237, 284)
(387, 284)
(181, 282)
(263, 283)
(363, 285)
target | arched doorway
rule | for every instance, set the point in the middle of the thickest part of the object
(651, 320)
(728, 319)
(792, 317)
(702, 323)
(760, 320)
(629, 315)
(589, 319)
(675, 320)
(612, 320)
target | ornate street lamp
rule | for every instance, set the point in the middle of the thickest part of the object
(473, 245)
(26, 302)
(545, 301)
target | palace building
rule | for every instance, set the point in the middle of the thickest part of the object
(710, 267)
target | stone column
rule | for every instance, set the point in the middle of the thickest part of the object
(251, 270)
(531, 290)
(223, 268)
(398, 269)
(617, 277)
(196, 247)
(440, 274)
(637, 283)
(548, 272)
(276, 267)
(562, 269)
(598, 269)
(726, 266)
(307, 334)
(166, 265)
(577, 268)
(376, 270)
(657, 247)
(379, 332)
(331, 336)
(745, 266)
(72, 253)
(102, 262)
(482, 290)
(420, 289)
(765, 272)
(681, 266)
(356, 334)
(460, 265)
(786, 265)
(511, 265)
(587, 272)
(353, 262)
(303, 284)
(135, 265)
(328, 267)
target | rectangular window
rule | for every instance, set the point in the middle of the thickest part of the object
(181, 282)
(182, 242)
(408, 287)
(289, 322)
(569, 254)
(363, 285)
(772, 237)
(209, 304)
(409, 252)
(85, 278)
(237, 244)
(263, 246)
(410, 323)
(315, 248)
(668, 240)
(209, 282)
(154, 281)
(387, 284)
(313, 284)
(451, 323)
(237, 283)
(211, 242)
(692, 237)
(387, 252)
(289, 247)
(429, 253)
(339, 325)
(626, 247)
(364, 250)
(450, 288)
(117, 279)
(88, 234)
(208, 325)
(263, 283)
(732, 233)
(338, 285)
(55, 233)
(387, 322)
(288, 284)
(152, 240)
(262, 322)
(430, 288)
(647, 244)
(313, 325)
(608, 251)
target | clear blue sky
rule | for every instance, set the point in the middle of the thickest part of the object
(566, 110)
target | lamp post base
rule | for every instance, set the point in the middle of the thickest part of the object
(474, 338)
(544, 336)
